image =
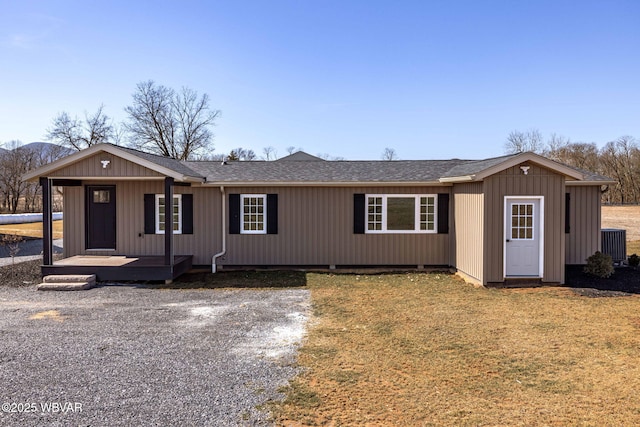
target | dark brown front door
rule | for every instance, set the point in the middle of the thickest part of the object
(101, 216)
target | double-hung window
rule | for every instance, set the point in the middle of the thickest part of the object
(401, 213)
(254, 214)
(177, 213)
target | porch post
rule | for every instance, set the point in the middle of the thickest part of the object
(168, 222)
(47, 226)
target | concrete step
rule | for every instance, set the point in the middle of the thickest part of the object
(70, 278)
(65, 286)
(67, 282)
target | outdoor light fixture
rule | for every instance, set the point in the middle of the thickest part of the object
(525, 169)
(105, 163)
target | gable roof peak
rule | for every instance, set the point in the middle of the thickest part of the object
(300, 156)
(163, 165)
(477, 170)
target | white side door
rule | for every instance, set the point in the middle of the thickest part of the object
(523, 232)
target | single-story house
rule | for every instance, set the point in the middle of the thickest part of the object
(515, 216)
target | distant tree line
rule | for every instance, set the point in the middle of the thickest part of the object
(618, 159)
(17, 195)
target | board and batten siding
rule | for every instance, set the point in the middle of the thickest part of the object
(73, 221)
(584, 238)
(513, 182)
(130, 238)
(469, 229)
(315, 227)
(92, 167)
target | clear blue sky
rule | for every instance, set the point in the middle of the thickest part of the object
(432, 79)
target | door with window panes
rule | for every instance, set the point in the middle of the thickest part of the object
(522, 237)
(100, 217)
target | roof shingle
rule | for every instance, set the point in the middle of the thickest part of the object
(339, 171)
(166, 162)
(325, 171)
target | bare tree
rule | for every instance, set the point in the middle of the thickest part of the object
(119, 133)
(176, 125)
(579, 154)
(620, 159)
(15, 162)
(270, 153)
(556, 143)
(519, 142)
(195, 120)
(79, 134)
(241, 154)
(291, 149)
(12, 243)
(326, 156)
(389, 154)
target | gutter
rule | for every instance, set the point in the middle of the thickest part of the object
(224, 234)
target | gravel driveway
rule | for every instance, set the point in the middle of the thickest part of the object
(126, 355)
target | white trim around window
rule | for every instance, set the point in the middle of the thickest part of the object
(253, 214)
(401, 213)
(177, 214)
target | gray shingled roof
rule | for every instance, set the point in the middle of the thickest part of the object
(326, 171)
(167, 162)
(320, 171)
(591, 176)
(300, 156)
(472, 167)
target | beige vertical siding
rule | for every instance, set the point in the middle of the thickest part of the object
(316, 228)
(469, 229)
(73, 220)
(512, 182)
(584, 237)
(130, 237)
(91, 167)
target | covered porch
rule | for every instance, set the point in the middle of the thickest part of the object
(120, 222)
(121, 267)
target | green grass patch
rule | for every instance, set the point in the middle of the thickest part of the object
(302, 396)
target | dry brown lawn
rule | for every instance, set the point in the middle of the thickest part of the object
(429, 349)
(32, 229)
(628, 218)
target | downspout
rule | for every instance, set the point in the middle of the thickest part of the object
(224, 233)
